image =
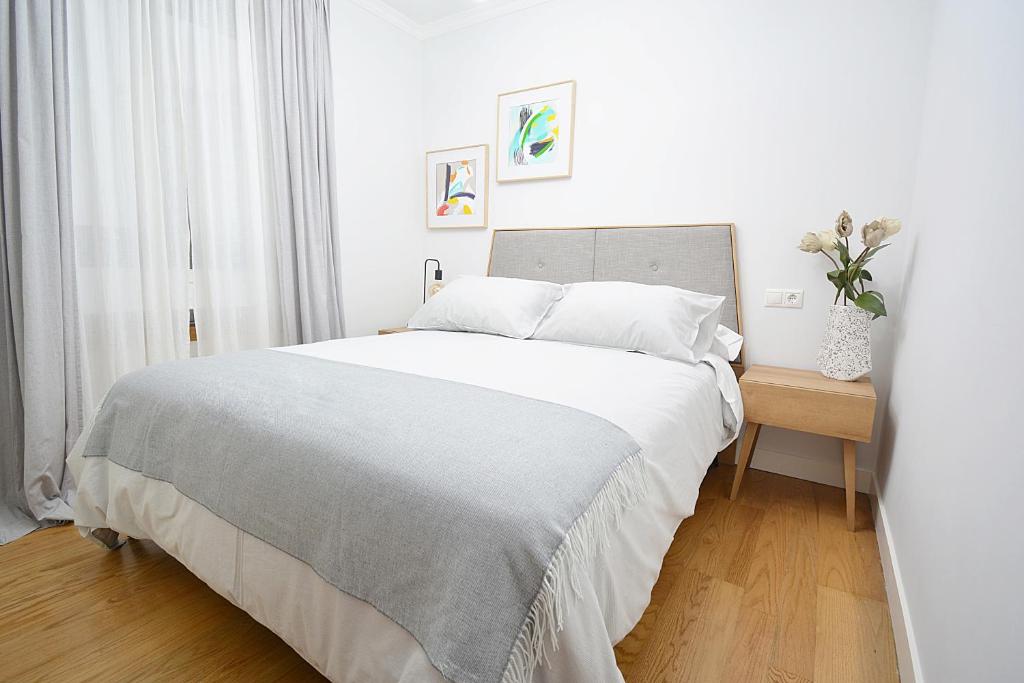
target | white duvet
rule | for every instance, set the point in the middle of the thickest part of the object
(681, 415)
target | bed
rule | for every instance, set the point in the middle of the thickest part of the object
(679, 414)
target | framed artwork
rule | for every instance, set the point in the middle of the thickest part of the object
(457, 187)
(535, 131)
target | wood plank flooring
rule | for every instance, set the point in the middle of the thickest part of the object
(770, 587)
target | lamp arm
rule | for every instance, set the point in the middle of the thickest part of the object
(429, 260)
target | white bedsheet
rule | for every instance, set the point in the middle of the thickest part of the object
(681, 414)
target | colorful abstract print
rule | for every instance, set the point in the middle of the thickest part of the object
(534, 134)
(456, 187)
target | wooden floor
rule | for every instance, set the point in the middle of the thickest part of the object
(768, 588)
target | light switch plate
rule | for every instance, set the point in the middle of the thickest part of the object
(784, 298)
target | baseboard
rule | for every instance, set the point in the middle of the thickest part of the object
(819, 470)
(906, 647)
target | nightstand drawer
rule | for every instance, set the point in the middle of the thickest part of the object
(818, 412)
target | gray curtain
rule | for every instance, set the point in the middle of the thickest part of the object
(296, 135)
(40, 377)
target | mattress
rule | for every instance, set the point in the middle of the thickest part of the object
(680, 414)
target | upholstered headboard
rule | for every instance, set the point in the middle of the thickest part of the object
(696, 257)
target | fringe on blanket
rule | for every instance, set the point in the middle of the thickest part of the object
(589, 534)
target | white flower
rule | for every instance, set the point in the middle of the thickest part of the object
(828, 240)
(810, 243)
(844, 225)
(890, 226)
(872, 234)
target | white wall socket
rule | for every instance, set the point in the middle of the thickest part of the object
(784, 298)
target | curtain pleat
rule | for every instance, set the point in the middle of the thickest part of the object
(296, 140)
(39, 327)
(234, 252)
(130, 202)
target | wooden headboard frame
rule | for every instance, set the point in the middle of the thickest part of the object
(737, 365)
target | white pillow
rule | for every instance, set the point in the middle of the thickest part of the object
(726, 343)
(493, 305)
(658, 320)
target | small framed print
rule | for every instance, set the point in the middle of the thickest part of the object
(535, 132)
(457, 187)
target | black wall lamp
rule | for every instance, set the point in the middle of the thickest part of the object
(437, 275)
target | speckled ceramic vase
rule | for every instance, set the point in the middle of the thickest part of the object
(845, 352)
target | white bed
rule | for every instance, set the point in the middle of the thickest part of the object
(680, 414)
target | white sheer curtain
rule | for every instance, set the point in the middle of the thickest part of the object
(164, 152)
(234, 252)
(130, 206)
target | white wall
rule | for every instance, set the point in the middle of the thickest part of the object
(951, 471)
(774, 116)
(378, 99)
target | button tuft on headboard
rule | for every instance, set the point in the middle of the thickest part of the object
(551, 255)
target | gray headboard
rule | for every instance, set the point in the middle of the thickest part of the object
(697, 257)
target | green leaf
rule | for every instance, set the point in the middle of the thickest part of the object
(865, 275)
(851, 293)
(844, 253)
(871, 252)
(872, 303)
(837, 278)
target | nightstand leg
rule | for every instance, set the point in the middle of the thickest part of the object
(749, 442)
(850, 468)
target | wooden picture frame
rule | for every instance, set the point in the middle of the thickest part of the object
(543, 146)
(458, 193)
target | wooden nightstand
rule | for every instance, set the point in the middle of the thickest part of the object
(807, 401)
(393, 330)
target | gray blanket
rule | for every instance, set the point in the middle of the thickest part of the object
(463, 514)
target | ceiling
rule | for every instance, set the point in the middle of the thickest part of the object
(429, 18)
(429, 11)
